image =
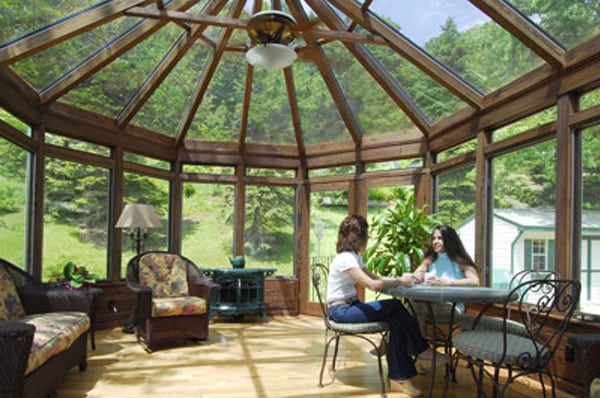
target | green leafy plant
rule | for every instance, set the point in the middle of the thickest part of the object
(398, 237)
(77, 277)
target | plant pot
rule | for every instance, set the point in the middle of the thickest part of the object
(237, 262)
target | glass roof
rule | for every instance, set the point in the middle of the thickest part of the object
(182, 72)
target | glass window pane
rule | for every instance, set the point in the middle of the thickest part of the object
(535, 120)
(569, 22)
(75, 217)
(22, 17)
(218, 116)
(215, 170)
(150, 191)
(207, 235)
(270, 115)
(146, 161)
(269, 230)
(325, 219)
(13, 202)
(394, 165)
(455, 203)
(14, 122)
(329, 207)
(465, 147)
(77, 145)
(264, 172)
(321, 119)
(462, 38)
(590, 203)
(331, 171)
(524, 208)
(374, 109)
(45, 67)
(591, 99)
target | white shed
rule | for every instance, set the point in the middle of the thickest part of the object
(524, 239)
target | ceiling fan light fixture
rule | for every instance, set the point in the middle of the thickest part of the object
(271, 56)
(271, 34)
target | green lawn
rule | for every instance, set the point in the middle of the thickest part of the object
(207, 241)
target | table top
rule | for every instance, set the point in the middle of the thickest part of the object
(266, 271)
(463, 294)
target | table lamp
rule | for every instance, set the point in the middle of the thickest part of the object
(138, 218)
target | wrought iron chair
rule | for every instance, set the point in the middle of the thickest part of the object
(544, 308)
(375, 333)
(466, 321)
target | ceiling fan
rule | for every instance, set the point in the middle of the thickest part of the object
(272, 34)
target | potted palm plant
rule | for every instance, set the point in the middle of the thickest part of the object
(398, 236)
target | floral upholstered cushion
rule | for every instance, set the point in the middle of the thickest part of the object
(54, 333)
(172, 306)
(10, 304)
(164, 273)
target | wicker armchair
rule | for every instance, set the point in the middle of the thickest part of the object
(22, 372)
(172, 298)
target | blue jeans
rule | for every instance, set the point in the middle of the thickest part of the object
(405, 339)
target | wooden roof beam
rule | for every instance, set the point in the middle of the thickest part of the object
(207, 74)
(165, 66)
(412, 53)
(329, 78)
(72, 26)
(181, 17)
(385, 81)
(203, 19)
(107, 55)
(246, 106)
(524, 30)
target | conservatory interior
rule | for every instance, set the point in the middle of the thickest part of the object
(251, 128)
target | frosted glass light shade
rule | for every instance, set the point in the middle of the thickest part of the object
(138, 216)
(271, 56)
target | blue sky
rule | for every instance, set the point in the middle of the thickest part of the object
(420, 20)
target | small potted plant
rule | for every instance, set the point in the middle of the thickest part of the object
(77, 277)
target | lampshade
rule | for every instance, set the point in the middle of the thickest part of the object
(138, 216)
(271, 56)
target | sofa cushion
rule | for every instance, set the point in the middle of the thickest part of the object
(172, 306)
(54, 333)
(164, 273)
(11, 307)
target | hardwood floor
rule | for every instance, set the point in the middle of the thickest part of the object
(251, 358)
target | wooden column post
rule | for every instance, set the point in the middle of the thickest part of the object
(483, 206)
(302, 236)
(240, 194)
(568, 234)
(175, 209)
(35, 241)
(116, 236)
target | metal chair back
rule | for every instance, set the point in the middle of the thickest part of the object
(544, 308)
(364, 331)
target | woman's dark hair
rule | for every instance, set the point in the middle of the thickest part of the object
(452, 245)
(352, 234)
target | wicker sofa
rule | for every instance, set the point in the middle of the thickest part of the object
(43, 333)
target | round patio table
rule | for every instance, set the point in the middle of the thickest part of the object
(453, 295)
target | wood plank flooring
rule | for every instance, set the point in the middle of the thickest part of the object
(246, 359)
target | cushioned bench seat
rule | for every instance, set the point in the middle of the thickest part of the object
(54, 332)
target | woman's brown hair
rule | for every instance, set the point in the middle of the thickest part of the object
(352, 234)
